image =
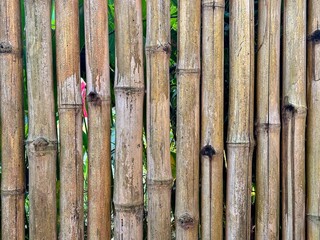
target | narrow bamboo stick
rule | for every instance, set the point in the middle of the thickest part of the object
(158, 119)
(99, 101)
(313, 127)
(268, 121)
(240, 142)
(188, 111)
(212, 119)
(129, 92)
(12, 134)
(42, 139)
(294, 120)
(70, 120)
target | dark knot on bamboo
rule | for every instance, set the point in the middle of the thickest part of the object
(94, 97)
(208, 151)
(5, 47)
(315, 36)
(186, 221)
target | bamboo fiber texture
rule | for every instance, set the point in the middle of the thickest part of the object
(188, 111)
(42, 137)
(212, 118)
(158, 119)
(12, 128)
(313, 127)
(129, 94)
(294, 120)
(70, 120)
(99, 100)
(240, 140)
(268, 121)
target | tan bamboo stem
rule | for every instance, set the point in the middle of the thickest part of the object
(129, 92)
(240, 140)
(99, 100)
(313, 127)
(42, 140)
(12, 134)
(293, 120)
(188, 129)
(158, 119)
(268, 121)
(70, 120)
(212, 119)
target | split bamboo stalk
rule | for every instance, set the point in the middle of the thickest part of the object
(294, 120)
(129, 93)
(240, 141)
(158, 119)
(313, 127)
(12, 134)
(70, 119)
(99, 101)
(268, 121)
(188, 111)
(212, 119)
(42, 139)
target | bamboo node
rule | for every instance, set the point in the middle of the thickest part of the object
(314, 218)
(186, 221)
(185, 70)
(213, 5)
(14, 192)
(208, 151)
(5, 47)
(315, 36)
(41, 144)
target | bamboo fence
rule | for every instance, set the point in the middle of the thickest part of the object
(267, 191)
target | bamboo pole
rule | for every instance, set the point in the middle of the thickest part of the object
(99, 101)
(294, 120)
(188, 129)
(240, 142)
(70, 120)
(212, 120)
(129, 92)
(42, 140)
(158, 119)
(313, 127)
(268, 121)
(12, 134)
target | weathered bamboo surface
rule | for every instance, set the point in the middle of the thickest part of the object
(159, 179)
(268, 121)
(129, 93)
(99, 100)
(188, 120)
(70, 120)
(313, 127)
(12, 128)
(294, 120)
(212, 119)
(240, 141)
(42, 139)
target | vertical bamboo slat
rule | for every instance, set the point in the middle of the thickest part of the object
(99, 100)
(212, 119)
(188, 129)
(240, 142)
(70, 119)
(12, 128)
(42, 140)
(313, 127)
(294, 120)
(268, 121)
(129, 92)
(158, 119)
